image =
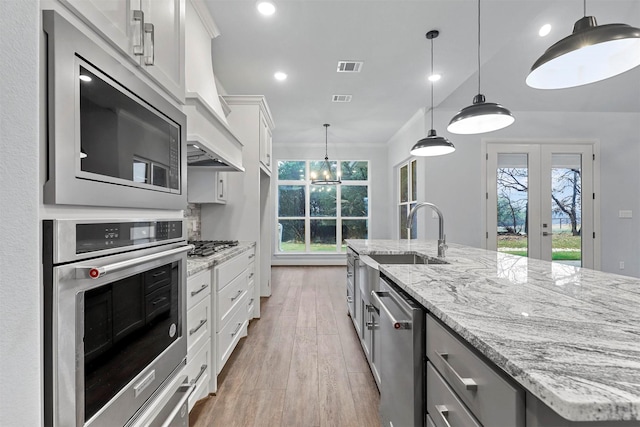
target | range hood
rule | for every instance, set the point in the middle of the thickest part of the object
(210, 141)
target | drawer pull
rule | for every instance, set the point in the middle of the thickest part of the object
(233, 334)
(200, 325)
(349, 299)
(251, 301)
(443, 412)
(202, 288)
(203, 369)
(467, 383)
(251, 275)
(237, 295)
(349, 273)
(252, 256)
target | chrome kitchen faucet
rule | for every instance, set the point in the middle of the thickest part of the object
(442, 244)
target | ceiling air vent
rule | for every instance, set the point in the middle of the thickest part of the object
(341, 98)
(350, 66)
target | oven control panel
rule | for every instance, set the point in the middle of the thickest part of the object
(100, 236)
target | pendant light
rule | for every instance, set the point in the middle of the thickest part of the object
(328, 178)
(432, 145)
(481, 116)
(591, 53)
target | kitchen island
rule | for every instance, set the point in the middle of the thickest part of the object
(570, 337)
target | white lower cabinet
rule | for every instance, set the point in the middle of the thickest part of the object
(232, 298)
(199, 326)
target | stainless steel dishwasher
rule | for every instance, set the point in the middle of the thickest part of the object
(402, 359)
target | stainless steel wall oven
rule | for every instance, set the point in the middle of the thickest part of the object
(112, 139)
(115, 321)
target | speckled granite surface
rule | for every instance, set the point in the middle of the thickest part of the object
(196, 265)
(570, 336)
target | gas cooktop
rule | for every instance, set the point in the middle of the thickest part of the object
(205, 248)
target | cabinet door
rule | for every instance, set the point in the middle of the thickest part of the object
(163, 57)
(113, 19)
(265, 143)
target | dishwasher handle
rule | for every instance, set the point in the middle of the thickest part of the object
(397, 324)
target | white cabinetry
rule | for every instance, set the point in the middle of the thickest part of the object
(149, 32)
(206, 185)
(248, 214)
(199, 325)
(265, 142)
(231, 299)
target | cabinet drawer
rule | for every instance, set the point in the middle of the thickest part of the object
(229, 270)
(157, 278)
(494, 400)
(251, 298)
(430, 422)
(198, 370)
(444, 407)
(198, 325)
(230, 334)
(229, 298)
(198, 287)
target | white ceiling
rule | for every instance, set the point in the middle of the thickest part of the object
(306, 38)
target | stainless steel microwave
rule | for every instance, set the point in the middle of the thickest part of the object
(112, 140)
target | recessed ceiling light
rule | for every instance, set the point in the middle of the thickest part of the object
(280, 76)
(434, 77)
(85, 78)
(265, 7)
(544, 30)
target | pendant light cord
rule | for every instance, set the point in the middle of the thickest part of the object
(326, 138)
(479, 47)
(431, 84)
(584, 7)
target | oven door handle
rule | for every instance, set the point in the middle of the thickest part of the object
(83, 272)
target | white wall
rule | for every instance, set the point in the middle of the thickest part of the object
(454, 182)
(20, 306)
(379, 200)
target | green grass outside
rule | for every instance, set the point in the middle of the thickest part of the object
(315, 247)
(517, 245)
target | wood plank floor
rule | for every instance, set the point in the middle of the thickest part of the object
(301, 365)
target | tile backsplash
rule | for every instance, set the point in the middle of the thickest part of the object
(192, 215)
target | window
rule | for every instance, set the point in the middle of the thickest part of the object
(317, 218)
(408, 193)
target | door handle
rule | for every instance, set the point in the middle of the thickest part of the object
(546, 233)
(397, 324)
(444, 413)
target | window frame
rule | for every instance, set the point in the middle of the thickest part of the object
(339, 218)
(412, 195)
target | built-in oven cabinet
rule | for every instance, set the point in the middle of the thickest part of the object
(206, 185)
(151, 33)
(200, 370)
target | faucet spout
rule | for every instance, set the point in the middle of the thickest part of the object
(442, 245)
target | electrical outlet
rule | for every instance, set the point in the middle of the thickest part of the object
(621, 265)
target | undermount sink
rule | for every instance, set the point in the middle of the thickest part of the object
(406, 259)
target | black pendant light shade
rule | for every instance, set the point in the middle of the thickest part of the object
(328, 178)
(432, 145)
(481, 116)
(591, 53)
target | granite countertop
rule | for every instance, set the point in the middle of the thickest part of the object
(197, 264)
(568, 335)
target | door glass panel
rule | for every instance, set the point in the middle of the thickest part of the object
(404, 184)
(513, 203)
(414, 181)
(566, 208)
(323, 235)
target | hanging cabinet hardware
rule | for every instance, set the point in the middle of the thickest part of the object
(148, 44)
(138, 17)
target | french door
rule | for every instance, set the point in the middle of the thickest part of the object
(540, 201)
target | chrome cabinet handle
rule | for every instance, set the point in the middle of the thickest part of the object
(349, 273)
(200, 325)
(203, 369)
(138, 16)
(251, 301)
(221, 189)
(252, 256)
(397, 324)
(237, 295)
(444, 413)
(149, 44)
(251, 275)
(233, 334)
(349, 299)
(467, 383)
(202, 288)
(83, 272)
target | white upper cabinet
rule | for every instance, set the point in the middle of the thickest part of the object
(150, 33)
(265, 143)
